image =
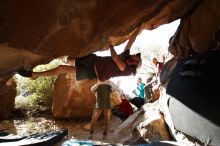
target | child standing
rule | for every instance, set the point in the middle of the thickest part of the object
(102, 90)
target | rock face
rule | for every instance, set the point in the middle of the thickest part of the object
(74, 99)
(55, 28)
(35, 32)
(191, 35)
(7, 99)
(143, 126)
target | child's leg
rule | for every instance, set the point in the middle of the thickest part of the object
(95, 116)
(107, 115)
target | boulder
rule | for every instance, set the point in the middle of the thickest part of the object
(74, 99)
(144, 126)
(7, 98)
(54, 28)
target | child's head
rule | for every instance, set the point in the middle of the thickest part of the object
(139, 80)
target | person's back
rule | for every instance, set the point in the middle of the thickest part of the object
(140, 88)
(139, 100)
(124, 110)
(103, 96)
(102, 91)
(125, 107)
(106, 68)
(148, 89)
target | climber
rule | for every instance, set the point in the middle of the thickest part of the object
(92, 66)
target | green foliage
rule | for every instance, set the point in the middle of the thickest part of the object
(36, 94)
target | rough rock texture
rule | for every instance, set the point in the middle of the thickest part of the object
(74, 99)
(54, 28)
(35, 32)
(145, 125)
(7, 99)
(71, 98)
(197, 30)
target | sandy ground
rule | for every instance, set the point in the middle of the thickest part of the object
(81, 132)
(77, 130)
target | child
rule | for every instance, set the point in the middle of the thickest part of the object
(102, 90)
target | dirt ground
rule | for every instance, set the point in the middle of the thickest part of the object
(77, 130)
(81, 132)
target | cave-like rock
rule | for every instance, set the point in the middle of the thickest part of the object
(7, 98)
(74, 99)
(38, 31)
(35, 32)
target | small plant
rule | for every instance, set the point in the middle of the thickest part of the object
(35, 95)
